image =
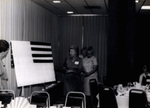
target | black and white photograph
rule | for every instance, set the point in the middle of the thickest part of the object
(74, 54)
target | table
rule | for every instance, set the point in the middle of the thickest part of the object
(122, 101)
(123, 98)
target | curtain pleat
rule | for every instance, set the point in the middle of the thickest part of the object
(71, 34)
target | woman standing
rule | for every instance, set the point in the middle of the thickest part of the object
(4, 48)
(144, 78)
(90, 72)
(73, 67)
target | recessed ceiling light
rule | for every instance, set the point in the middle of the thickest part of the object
(70, 12)
(56, 1)
(145, 7)
(137, 1)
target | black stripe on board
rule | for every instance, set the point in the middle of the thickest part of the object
(40, 49)
(41, 55)
(40, 43)
(42, 61)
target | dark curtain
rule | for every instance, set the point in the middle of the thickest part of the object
(142, 42)
(95, 34)
(85, 31)
(121, 17)
(70, 34)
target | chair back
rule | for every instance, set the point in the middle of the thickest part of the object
(93, 87)
(6, 96)
(107, 98)
(75, 99)
(137, 99)
(40, 98)
(94, 91)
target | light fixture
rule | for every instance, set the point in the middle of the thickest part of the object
(137, 1)
(145, 7)
(56, 1)
(70, 12)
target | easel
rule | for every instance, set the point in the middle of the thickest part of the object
(22, 69)
(22, 92)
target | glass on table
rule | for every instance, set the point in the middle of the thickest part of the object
(129, 84)
(115, 87)
(120, 88)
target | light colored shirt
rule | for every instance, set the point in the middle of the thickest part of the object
(3, 76)
(88, 63)
(143, 75)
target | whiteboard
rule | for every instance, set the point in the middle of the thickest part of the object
(33, 62)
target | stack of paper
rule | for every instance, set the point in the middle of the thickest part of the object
(20, 102)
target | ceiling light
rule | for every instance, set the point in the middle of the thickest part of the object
(137, 1)
(70, 12)
(56, 1)
(145, 7)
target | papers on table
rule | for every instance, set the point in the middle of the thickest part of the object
(20, 102)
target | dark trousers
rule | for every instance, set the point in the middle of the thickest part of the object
(72, 82)
(91, 102)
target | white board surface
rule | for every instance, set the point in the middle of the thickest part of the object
(32, 63)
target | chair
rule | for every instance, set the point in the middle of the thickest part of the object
(94, 92)
(40, 98)
(137, 99)
(146, 80)
(107, 98)
(56, 93)
(6, 96)
(75, 99)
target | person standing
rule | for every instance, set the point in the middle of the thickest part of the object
(90, 65)
(144, 78)
(83, 52)
(4, 49)
(72, 67)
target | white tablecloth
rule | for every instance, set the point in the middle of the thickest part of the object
(123, 98)
(122, 101)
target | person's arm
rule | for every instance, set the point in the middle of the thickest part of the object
(80, 66)
(141, 78)
(65, 67)
(92, 71)
(1, 70)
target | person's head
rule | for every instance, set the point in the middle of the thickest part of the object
(90, 51)
(74, 50)
(4, 48)
(84, 51)
(145, 68)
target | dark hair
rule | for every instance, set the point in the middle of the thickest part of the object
(90, 48)
(76, 48)
(4, 46)
(84, 49)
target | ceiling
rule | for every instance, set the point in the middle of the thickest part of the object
(90, 7)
